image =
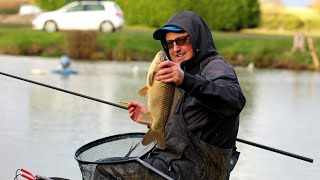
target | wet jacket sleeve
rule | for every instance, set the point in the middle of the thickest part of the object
(217, 88)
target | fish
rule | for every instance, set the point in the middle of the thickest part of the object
(160, 98)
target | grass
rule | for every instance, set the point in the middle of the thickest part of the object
(267, 46)
(136, 43)
(21, 40)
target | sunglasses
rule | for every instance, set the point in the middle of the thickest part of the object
(180, 41)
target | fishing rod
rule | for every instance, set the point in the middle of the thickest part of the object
(275, 150)
(124, 107)
(63, 90)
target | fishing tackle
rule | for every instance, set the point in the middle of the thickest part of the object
(30, 176)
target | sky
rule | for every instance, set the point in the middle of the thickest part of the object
(297, 3)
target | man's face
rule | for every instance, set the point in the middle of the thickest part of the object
(180, 46)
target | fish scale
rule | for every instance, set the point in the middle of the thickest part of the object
(161, 105)
(160, 98)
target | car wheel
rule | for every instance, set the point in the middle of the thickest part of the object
(50, 26)
(106, 26)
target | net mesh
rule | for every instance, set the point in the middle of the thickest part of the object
(108, 150)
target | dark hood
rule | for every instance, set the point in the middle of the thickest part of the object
(200, 34)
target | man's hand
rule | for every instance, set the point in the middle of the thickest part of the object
(136, 110)
(170, 72)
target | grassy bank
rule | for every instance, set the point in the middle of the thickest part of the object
(136, 44)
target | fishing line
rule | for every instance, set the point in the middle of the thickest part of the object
(124, 107)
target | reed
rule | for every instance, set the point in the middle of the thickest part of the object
(80, 44)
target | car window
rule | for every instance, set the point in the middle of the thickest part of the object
(94, 7)
(76, 8)
(117, 7)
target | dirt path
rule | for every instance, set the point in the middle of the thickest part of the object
(16, 19)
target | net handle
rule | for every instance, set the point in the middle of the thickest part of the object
(147, 165)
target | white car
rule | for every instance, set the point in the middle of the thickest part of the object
(105, 16)
(29, 9)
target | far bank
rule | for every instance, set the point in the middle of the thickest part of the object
(136, 44)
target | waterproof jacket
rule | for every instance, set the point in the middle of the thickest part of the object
(203, 128)
(214, 97)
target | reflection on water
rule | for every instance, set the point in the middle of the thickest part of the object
(281, 112)
(42, 128)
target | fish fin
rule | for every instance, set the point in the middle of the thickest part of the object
(148, 138)
(143, 91)
(147, 117)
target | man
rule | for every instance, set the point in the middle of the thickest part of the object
(201, 133)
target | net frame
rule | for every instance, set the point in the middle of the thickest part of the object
(119, 148)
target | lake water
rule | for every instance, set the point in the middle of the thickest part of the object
(41, 128)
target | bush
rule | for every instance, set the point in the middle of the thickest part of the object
(291, 22)
(14, 10)
(49, 5)
(281, 21)
(229, 16)
(312, 24)
(219, 14)
(139, 11)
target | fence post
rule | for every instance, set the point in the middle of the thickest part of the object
(313, 53)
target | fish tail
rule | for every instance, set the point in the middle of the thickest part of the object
(152, 135)
(148, 138)
(161, 143)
